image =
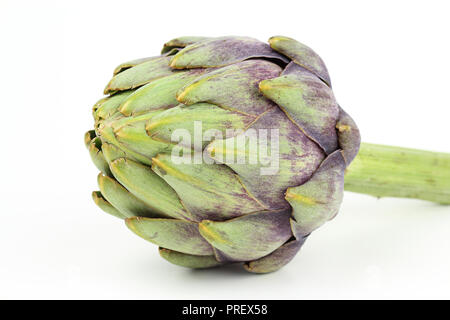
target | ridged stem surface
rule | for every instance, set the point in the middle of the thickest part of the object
(386, 171)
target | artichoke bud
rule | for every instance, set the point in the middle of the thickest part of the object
(223, 150)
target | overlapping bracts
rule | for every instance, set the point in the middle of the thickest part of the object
(208, 214)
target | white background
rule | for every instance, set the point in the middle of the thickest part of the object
(389, 62)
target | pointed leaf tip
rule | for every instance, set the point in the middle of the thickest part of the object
(178, 235)
(248, 237)
(308, 102)
(122, 199)
(188, 260)
(301, 55)
(103, 204)
(139, 75)
(148, 187)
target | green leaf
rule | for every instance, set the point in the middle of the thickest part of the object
(107, 133)
(308, 102)
(181, 42)
(139, 75)
(119, 197)
(88, 136)
(301, 55)
(318, 200)
(277, 259)
(212, 122)
(248, 237)
(131, 135)
(208, 191)
(234, 87)
(109, 106)
(148, 187)
(178, 235)
(105, 205)
(158, 94)
(348, 135)
(111, 152)
(97, 157)
(219, 52)
(132, 63)
(290, 160)
(188, 260)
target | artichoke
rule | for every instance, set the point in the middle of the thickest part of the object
(203, 201)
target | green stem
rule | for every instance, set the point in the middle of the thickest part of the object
(385, 171)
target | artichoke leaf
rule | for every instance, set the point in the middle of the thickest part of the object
(208, 191)
(318, 200)
(308, 102)
(223, 51)
(248, 237)
(111, 152)
(277, 259)
(132, 63)
(121, 199)
(97, 157)
(131, 134)
(301, 55)
(139, 75)
(348, 135)
(148, 187)
(178, 235)
(289, 160)
(233, 87)
(158, 94)
(223, 257)
(101, 202)
(181, 42)
(88, 136)
(109, 106)
(188, 260)
(128, 134)
(208, 120)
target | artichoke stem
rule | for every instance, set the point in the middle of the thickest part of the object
(386, 171)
